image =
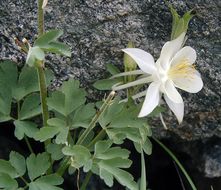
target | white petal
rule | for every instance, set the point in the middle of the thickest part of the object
(170, 49)
(192, 84)
(143, 59)
(44, 3)
(171, 92)
(185, 54)
(133, 83)
(177, 108)
(151, 100)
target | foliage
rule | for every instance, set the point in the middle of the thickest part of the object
(78, 134)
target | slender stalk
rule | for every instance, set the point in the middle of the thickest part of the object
(99, 136)
(96, 117)
(143, 183)
(86, 180)
(28, 144)
(24, 180)
(177, 162)
(64, 165)
(40, 69)
(40, 18)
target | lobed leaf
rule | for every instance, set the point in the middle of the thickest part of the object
(37, 165)
(27, 128)
(18, 162)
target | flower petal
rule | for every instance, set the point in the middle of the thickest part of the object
(192, 84)
(151, 100)
(177, 108)
(169, 50)
(144, 60)
(172, 93)
(187, 54)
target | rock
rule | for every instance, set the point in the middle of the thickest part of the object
(97, 30)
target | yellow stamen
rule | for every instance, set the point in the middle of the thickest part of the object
(182, 70)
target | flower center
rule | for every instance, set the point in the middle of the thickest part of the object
(182, 70)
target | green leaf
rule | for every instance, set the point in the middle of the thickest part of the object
(7, 182)
(81, 155)
(30, 107)
(113, 152)
(83, 115)
(111, 168)
(7, 168)
(46, 133)
(107, 177)
(52, 179)
(121, 121)
(146, 147)
(27, 128)
(112, 69)
(27, 83)
(8, 74)
(55, 151)
(62, 136)
(34, 54)
(48, 42)
(62, 128)
(18, 162)
(5, 100)
(102, 146)
(106, 84)
(4, 118)
(68, 99)
(56, 127)
(88, 165)
(58, 48)
(47, 37)
(37, 165)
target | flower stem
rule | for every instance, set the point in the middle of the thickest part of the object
(40, 18)
(40, 69)
(64, 165)
(177, 162)
(99, 136)
(96, 118)
(86, 180)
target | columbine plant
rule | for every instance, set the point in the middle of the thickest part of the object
(83, 138)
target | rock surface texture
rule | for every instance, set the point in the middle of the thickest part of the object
(97, 30)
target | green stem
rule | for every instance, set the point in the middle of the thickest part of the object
(143, 183)
(64, 165)
(86, 180)
(28, 144)
(104, 106)
(99, 136)
(40, 69)
(177, 162)
(96, 118)
(24, 180)
(40, 18)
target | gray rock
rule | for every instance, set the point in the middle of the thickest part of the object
(212, 167)
(97, 30)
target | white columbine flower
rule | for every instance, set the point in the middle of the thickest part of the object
(173, 69)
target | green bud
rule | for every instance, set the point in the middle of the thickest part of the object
(179, 24)
(129, 63)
